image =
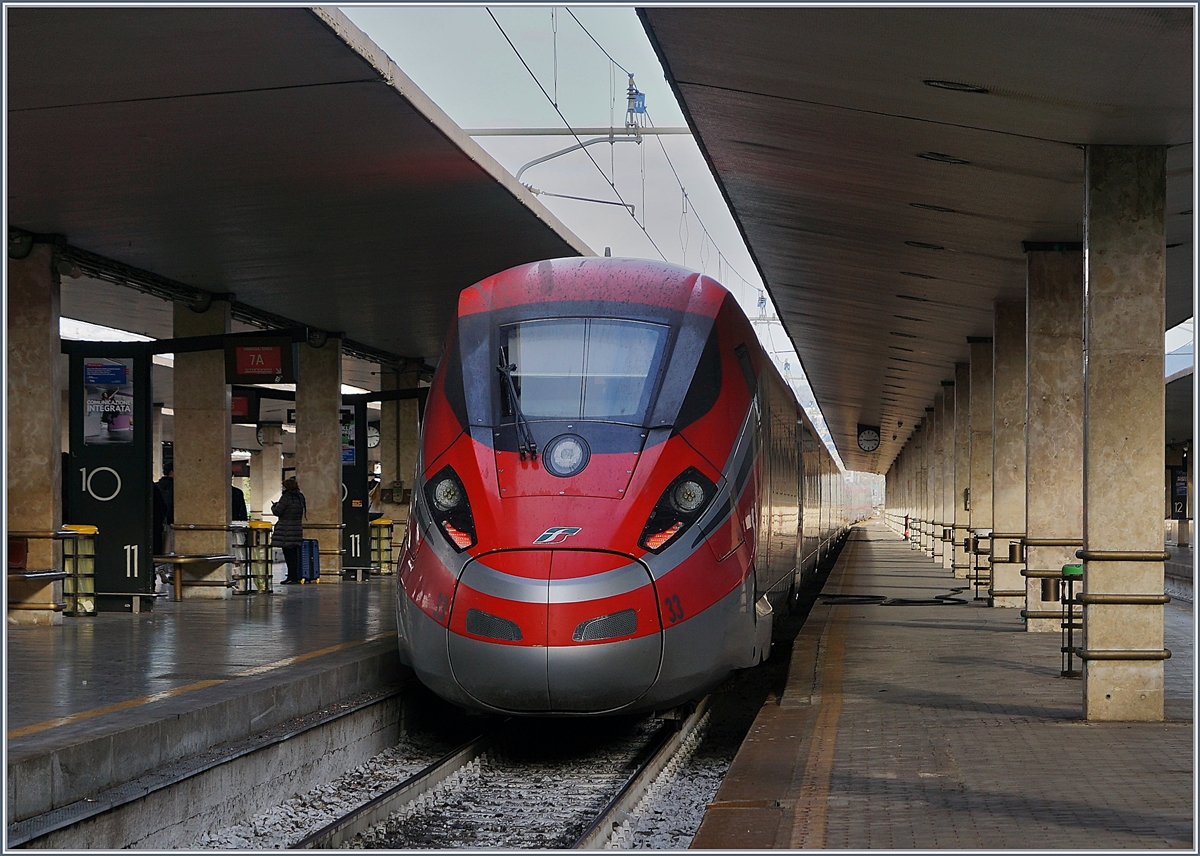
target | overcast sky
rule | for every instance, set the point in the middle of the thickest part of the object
(460, 58)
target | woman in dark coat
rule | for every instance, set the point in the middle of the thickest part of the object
(289, 529)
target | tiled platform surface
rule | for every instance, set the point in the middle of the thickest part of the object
(948, 727)
(101, 700)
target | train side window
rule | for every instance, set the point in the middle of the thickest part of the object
(705, 388)
(743, 357)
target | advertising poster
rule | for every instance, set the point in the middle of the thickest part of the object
(107, 400)
(347, 436)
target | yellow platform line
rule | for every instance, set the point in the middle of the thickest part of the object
(199, 685)
(812, 806)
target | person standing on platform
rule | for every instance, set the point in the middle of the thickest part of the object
(375, 511)
(238, 503)
(289, 529)
(164, 516)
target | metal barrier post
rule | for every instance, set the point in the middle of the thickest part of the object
(259, 546)
(241, 549)
(381, 545)
(1070, 574)
(79, 561)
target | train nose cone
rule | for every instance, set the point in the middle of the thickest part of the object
(555, 631)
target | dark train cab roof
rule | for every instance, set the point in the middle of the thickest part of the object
(605, 280)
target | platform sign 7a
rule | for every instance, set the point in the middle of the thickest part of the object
(106, 476)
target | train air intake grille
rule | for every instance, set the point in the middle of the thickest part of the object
(622, 623)
(492, 626)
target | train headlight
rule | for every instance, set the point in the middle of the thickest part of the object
(680, 505)
(450, 509)
(447, 493)
(566, 455)
(688, 496)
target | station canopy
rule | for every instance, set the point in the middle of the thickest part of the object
(885, 166)
(273, 153)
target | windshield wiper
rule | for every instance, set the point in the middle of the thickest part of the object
(525, 442)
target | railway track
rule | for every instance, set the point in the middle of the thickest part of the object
(569, 784)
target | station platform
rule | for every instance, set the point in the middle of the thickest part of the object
(948, 727)
(99, 701)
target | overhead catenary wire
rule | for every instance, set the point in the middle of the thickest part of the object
(720, 255)
(599, 169)
(593, 38)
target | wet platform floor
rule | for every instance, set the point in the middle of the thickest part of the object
(89, 663)
(101, 700)
(949, 727)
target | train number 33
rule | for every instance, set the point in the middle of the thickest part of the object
(674, 608)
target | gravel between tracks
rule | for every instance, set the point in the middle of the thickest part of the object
(300, 815)
(537, 789)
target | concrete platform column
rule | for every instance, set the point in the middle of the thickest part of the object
(202, 442)
(938, 463)
(1054, 435)
(266, 471)
(917, 444)
(399, 426)
(34, 466)
(1008, 452)
(981, 440)
(1124, 426)
(926, 452)
(319, 449)
(962, 466)
(947, 486)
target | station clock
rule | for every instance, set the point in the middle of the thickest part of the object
(868, 437)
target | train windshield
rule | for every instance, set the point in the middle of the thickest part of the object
(581, 368)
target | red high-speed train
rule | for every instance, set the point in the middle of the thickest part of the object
(615, 493)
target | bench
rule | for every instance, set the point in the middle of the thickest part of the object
(204, 563)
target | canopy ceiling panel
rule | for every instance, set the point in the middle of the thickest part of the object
(273, 153)
(885, 166)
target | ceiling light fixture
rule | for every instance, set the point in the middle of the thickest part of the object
(940, 157)
(910, 318)
(922, 245)
(905, 335)
(898, 348)
(955, 86)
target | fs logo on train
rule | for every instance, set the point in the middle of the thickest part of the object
(556, 534)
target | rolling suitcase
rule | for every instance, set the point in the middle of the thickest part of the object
(310, 561)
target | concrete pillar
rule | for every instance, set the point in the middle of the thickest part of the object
(34, 473)
(266, 472)
(1124, 426)
(399, 427)
(936, 430)
(947, 486)
(930, 483)
(319, 448)
(962, 466)
(981, 440)
(1008, 452)
(202, 441)
(1054, 414)
(922, 474)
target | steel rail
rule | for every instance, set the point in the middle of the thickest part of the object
(332, 835)
(655, 759)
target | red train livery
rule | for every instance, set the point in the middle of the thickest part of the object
(615, 493)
